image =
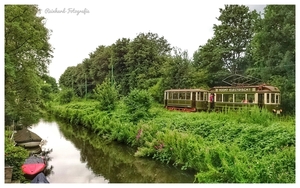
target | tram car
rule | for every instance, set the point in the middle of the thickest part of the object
(263, 96)
(191, 100)
(224, 97)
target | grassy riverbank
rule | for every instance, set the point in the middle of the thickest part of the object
(241, 147)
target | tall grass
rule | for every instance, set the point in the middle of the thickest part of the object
(244, 146)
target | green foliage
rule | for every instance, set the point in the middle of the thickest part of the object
(66, 96)
(67, 80)
(146, 54)
(46, 92)
(27, 55)
(138, 103)
(15, 157)
(107, 95)
(208, 59)
(233, 35)
(157, 90)
(273, 51)
(50, 80)
(226, 49)
(120, 70)
(234, 147)
(288, 92)
(179, 72)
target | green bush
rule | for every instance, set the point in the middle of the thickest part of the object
(66, 96)
(107, 95)
(15, 156)
(138, 103)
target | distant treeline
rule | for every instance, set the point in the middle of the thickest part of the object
(245, 42)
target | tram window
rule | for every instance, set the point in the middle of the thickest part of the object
(268, 98)
(205, 97)
(227, 97)
(201, 96)
(239, 97)
(219, 97)
(250, 98)
(277, 98)
(170, 95)
(175, 95)
(273, 98)
(188, 95)
(181, 95)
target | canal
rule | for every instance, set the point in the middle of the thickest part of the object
(80, 156)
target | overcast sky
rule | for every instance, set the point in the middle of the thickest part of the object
(185, 24)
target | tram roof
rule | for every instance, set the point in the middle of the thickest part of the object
(264, 87)
(185, 90)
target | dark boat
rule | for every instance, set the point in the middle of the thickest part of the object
(33, 165)
(27, 138)
(34, 150)
(40, 178)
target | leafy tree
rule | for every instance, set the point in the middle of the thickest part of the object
(273, 51)
(100, 61)
(178, 71)
(225, 53)
(50, 80)
(87, 63)
(145, 56)
(234, 34)
(46, 91)
(120, 70)
(208, 60)
(107, 95)
(27, 55)
(67, 79)
(80, 80)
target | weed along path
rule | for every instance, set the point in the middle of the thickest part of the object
(79, 156)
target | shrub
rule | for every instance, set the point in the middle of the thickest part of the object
(15, 157)
(107, 95)
(66, 96)
(138, 103)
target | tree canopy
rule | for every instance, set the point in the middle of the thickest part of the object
(27, 56)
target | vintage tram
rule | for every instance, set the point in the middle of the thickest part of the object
(191, 100)
(263, 96)
(224, 97)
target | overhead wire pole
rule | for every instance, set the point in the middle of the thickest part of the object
(112, 72)
(85, 86)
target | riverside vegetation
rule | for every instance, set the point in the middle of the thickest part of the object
(230, 147)
(246, 146)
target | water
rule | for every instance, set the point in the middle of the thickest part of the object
(79, 156)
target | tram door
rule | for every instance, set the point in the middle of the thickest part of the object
(260, 100)
(194, 100)
(166, 99)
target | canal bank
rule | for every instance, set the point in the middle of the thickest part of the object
(80, 156)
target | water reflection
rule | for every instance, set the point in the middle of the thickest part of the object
(80, 156)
